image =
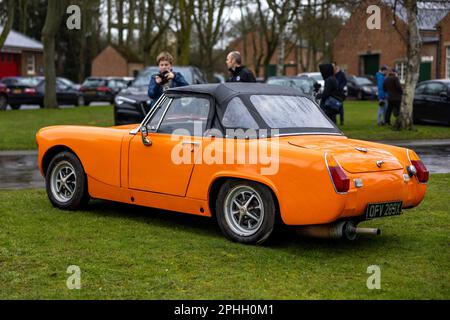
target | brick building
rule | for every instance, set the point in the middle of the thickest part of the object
(116, 62)
(361, 51)
(21, 56)
(296, 59)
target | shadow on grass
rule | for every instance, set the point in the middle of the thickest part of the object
(284, 237)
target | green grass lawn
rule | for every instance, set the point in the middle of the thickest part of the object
(18, 127)
(361, 123)
(127, 252)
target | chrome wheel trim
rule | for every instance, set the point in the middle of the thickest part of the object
(244, 210)
(63, 181)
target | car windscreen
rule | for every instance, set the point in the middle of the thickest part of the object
(280, 111)
(363, 81)
(94, 82)
(143, 79)
(29, 82)
(317, 77)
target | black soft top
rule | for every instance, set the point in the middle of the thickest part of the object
(225, 91)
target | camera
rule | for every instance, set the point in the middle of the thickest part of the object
(163, 76)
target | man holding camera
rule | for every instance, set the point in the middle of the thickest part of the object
(166, 78)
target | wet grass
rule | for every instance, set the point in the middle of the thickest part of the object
(127, 252)
(18, 127)
(361, 123)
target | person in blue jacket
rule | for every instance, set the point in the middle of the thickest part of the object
(382, 96)
(166, 78)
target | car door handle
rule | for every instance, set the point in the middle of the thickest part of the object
(191, 143)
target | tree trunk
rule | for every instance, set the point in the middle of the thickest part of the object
(414, 44)
(9, 23)
(119, 9)
(131, 26)
(51, 26)
(109, 14)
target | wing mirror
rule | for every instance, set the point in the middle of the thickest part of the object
(443, 95)
(145, 138)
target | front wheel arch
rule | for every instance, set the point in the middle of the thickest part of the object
(51, 153)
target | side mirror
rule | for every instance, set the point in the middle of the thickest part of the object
(443, 95)
(144, 135)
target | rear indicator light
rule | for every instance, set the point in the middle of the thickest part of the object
(340, 180)
(30, 90)
(422, 173)
(102, 89)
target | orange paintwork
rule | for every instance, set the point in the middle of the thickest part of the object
(120, 168)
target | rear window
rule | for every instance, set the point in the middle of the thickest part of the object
(289, 112)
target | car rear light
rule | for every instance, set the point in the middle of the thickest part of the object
(340, 180)
(103, 89)
(421, 172)
(30, 90)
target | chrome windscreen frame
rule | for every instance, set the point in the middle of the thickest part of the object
(149, 115)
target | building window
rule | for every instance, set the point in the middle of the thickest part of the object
(447, 63)
(401, 71)
(31, 64)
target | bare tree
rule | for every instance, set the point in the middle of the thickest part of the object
(9, 22)
(184, 30)
(51, 26)
(413, 45)
(208, 19)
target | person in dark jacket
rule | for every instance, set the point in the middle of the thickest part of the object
(393, 88)
(330, 90)
(239, 73)
(342, 82)
(166, 78)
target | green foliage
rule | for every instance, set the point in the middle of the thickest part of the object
(128, 252)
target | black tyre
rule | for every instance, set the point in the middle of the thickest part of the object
(80, 101)
(245, 211)
(3, 102)
(15, 106)
(66, 182)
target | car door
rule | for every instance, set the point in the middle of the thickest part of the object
(434, 109)
(420, 102)
(176, 129)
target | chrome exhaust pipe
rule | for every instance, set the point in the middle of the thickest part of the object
(342, 229)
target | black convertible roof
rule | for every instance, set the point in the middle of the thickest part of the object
(224, 91)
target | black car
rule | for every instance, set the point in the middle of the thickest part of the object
(361, 88)
(31, 90)
(132, 104)
(102, 88)
(304, 84)
(432, 102)
(3, 97)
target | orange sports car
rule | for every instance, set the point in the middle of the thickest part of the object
(248, 154)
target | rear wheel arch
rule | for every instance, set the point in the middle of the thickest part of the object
(217, 184)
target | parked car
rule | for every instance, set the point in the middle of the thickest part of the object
(3, 97)
(132, 104)
(361, 88)
(432, 102)
(182, 158)
(304, 84)
(31, 90)
(316, 76)
(22, 90)
(102, 88)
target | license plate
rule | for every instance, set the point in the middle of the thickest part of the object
(383, 209)
(17, 91)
